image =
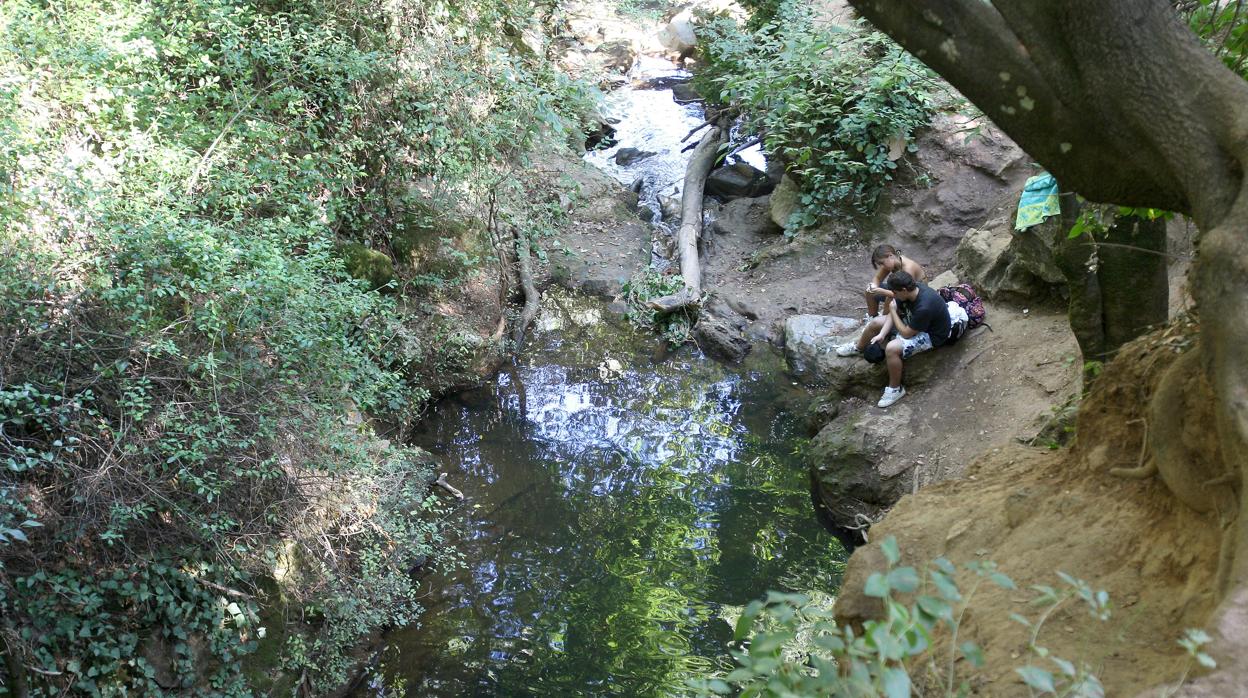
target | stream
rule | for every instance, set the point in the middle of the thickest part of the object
(620, 509)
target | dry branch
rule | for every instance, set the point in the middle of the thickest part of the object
(691, 208)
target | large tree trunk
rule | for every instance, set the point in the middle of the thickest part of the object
(1122, 103)
(1119, 289)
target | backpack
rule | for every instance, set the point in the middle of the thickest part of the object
(964, 295)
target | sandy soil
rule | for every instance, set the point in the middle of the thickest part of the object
(1037, 512)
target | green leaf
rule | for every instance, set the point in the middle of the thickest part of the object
(1037, 678)
(1066, 667)
(1021, 620)
(877, 586)
(890, 550)
(973, 654)
(1206, 661)
(945, 586)
(896, 683)
(937, 608)
(1002, 580)
(903, 579)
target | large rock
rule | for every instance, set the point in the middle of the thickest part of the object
(810, 343)
(678, 35)
(737, 180)
(785, 200)
(366, 264)
(748, 218)
(617, 55)
(1003, 263)
(684, 93)
(853, 476)
(721, 337)
(627, 156)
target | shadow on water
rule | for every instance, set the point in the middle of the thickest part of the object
(617, 510)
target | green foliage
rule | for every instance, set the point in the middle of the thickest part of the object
(1223, 26)
(676, 328)
(764, 13)
(1097, 220)
(830, 103)
(185, 358)
(790, 647)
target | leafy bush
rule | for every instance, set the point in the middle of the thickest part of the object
(831, 104)
(1223, 26)
(791, 647)
(648, 284)
(185, 362)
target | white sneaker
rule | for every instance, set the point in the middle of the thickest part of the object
(848, 349)
(891, 396)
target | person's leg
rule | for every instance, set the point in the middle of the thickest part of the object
(917, 344)
(873, 303)
(893, 359)
(869, 332)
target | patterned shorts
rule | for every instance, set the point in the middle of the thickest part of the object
(917, 344)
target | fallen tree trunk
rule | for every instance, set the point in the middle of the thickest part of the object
(531, 297)
(690, 232)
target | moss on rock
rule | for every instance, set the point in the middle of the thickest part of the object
(367, 264)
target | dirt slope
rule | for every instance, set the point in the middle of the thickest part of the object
(1037, 512)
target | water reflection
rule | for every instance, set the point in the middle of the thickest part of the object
(609, 520)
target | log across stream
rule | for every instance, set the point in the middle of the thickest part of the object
(618, 511)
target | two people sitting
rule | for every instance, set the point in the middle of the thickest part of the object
(886, 259)
(915, 319)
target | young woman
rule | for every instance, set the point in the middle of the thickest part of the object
(887, 259)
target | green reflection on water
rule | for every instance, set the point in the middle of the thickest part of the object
(617, 511)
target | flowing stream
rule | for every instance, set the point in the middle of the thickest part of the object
(620, 510)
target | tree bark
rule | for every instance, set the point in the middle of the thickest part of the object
(531, 297)
(1121, 102)
(1117, 280)
(700, 165)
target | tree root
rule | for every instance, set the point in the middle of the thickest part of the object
(531, 296)
(1142, 470)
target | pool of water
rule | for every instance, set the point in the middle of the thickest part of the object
(618, 509)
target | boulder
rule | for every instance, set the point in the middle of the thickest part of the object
(669, 206)
(846, 458)
(366, 264)
(627, 156)
(617, 55)
(784, 201)
(945, 278)
(735, 181)
(749, 218)
(722, 338)
(810, 343)
(775, 170)
(684, 93)
(678, 35)
(600, 136)
(1002, 263)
